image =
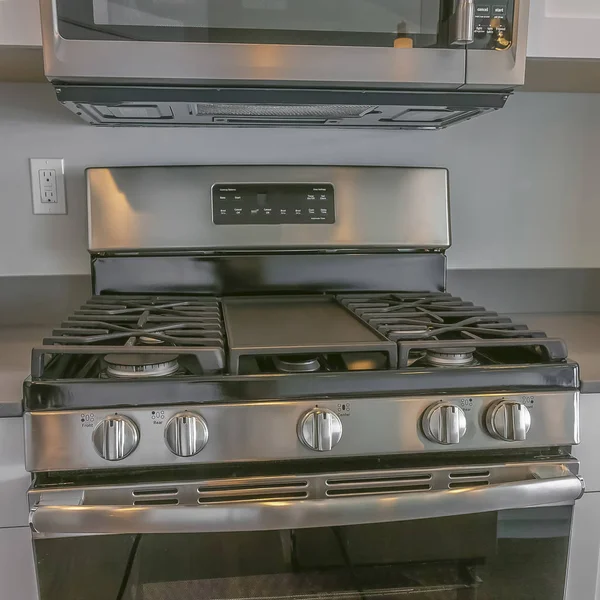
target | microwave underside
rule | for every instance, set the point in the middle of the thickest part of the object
(276, 107)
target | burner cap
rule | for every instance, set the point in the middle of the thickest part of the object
(141, 365)
(297, 363)
(451, 357)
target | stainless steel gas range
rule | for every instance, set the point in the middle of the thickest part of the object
(271, 395)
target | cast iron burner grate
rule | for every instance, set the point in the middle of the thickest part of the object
(425, 325)
(188, 329)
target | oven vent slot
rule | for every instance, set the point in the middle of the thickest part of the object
(467, 479)
(156, 492)
(391, 484)
(155, 496)
(470, 475)
(259, 491)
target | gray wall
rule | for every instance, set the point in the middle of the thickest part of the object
(524, 181)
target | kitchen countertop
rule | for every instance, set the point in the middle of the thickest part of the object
(15, 364)
(582, 334)
(580, 331)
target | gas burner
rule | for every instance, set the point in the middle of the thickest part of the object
(141, 365)
(297, 363)
(451, 357)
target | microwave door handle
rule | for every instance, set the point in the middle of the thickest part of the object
(553, 486)
(462, 23)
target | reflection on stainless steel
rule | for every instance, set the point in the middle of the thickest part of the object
(364, 361)
(521, 486)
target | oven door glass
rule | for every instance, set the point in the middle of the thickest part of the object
(508, 555)
(374, 23)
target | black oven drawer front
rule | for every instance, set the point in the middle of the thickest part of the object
(313, 501)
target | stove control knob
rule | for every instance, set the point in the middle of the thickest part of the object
(116, 437)
(320, 429)
(186, 434)
(444, 423)
(509, 421)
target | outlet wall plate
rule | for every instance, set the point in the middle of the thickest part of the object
(48, 186)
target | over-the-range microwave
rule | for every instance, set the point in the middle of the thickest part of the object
(408, 64)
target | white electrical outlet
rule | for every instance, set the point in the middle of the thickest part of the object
(48, 186)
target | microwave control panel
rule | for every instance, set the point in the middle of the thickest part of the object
(494, 22)
(273, 204)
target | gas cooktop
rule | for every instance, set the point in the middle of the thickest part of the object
(140, 337)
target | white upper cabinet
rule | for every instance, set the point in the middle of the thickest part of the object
(564, 29)
(20, 23)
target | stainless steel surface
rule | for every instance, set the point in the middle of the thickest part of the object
(509, 420)
(445, 423)
(186, 434)
(267, 430)
(462, 23)
(375, 206)
(320, 429)
(115, 437)
(204, 63)
(503, 69)
(339, 499)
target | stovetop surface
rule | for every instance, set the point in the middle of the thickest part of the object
(252, 335)
(288, 346)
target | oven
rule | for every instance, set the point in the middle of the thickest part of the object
(491, 530)
(270, 395)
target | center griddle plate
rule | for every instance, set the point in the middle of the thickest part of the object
(270, 326)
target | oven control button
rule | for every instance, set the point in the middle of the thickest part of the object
(444, 423)
(320, 429)
(116, 437)
(186, 434)
(509, 421)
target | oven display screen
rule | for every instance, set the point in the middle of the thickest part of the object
(273, 204)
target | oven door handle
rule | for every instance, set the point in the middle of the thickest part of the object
(549, 485)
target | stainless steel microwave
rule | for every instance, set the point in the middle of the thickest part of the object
(422, 64)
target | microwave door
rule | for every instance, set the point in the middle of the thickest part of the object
(401, 44)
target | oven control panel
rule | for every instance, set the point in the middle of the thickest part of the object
(305, 429)
(273, 203)
(494, 21)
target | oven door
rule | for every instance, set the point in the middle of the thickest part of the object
(496, 532)
(389, 43)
